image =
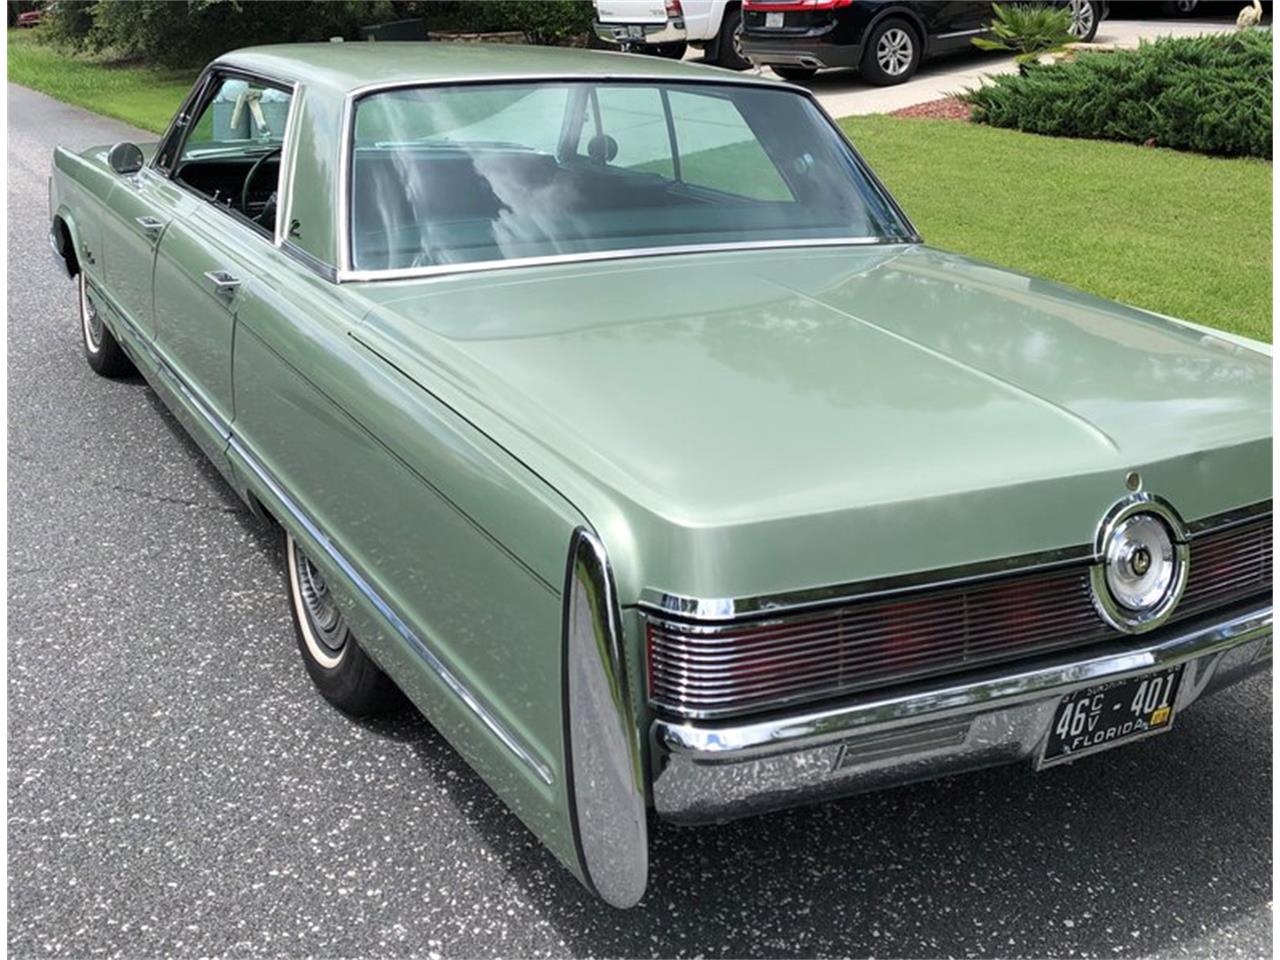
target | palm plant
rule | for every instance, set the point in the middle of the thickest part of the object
(1027, 30)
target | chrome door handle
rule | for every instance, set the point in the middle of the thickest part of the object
(223, 282)
(151, 226)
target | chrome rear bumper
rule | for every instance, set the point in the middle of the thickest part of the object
(648, 34)
(718, 771)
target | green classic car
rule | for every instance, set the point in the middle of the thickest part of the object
(615, 414)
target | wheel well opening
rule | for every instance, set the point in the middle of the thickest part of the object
(908, 19)
(66, 249)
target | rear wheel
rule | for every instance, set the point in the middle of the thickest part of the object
(891, 54)
(795, 73)
(729, 46)
(671, 51)
(101, 349)
(343, 672)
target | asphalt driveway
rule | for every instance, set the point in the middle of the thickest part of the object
(177, 788)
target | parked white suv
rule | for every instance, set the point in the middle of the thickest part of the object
(666, 27)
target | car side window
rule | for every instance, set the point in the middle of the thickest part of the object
(718, 150)
(231, 152)
(241, 116)
(635, 124)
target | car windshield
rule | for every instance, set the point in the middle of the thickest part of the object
(446, 175)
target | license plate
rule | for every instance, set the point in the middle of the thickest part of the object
(1112, 713)
(773, 21)
(635, 32)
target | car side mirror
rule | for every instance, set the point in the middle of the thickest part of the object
(125, 158)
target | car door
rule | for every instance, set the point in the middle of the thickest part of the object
(207, 257)
(955, 24)
(138, 210)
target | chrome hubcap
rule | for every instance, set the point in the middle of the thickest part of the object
(894, 51)
(322, 613)
(1081, 18)
(737, 42)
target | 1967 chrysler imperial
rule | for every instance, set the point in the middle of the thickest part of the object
(614, 412)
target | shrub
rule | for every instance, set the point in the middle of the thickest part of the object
(1026, 30)
(68, 22)
(1207, 94)
(189, 33)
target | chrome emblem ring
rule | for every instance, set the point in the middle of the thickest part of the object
(1142, 564)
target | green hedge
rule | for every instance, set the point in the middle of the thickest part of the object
(189, 33)
(1206, 94)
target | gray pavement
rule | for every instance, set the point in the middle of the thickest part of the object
(176, 787)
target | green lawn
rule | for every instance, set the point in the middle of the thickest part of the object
(142, 96)
(1173, 232)
(1177, 233)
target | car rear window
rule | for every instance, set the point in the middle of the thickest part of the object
(445, 175)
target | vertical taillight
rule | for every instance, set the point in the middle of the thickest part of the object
(674, 9)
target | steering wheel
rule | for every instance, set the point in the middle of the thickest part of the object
(253, 172)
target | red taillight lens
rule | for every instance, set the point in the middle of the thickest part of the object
(674, 9)
(795, 5)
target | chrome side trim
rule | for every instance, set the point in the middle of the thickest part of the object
(996, 690)
(346, 272)
(960, 33)
(604, 770)
(445, 675)
(718, 609)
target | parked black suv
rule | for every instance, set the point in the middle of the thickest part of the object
(885, 39)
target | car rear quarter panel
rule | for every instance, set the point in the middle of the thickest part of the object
(462, 542)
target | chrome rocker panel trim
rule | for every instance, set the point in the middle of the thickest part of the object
(710, 772)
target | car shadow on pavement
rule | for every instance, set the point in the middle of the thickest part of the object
(1155, 848)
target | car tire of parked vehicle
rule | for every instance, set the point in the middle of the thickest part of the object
(891, 53)
(795, 73)
(1179, 8)
(101, 349)
(729, 44)
(670, 51)
(1085, 16)
(345, 675)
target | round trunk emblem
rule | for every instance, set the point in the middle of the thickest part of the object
(1141, 568)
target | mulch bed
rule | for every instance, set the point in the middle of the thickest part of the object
(948, 108)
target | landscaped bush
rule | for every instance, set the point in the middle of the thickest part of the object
(1207, 94)
(173, 33)
(1027, 30)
